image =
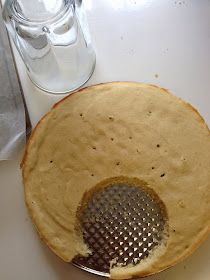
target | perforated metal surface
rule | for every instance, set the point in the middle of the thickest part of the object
(121, 223)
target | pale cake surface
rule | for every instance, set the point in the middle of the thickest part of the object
(120, 129)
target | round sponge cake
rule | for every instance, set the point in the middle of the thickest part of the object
(114, 130)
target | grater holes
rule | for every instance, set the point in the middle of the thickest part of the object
(125, 222)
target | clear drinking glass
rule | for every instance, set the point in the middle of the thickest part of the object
(56, 50)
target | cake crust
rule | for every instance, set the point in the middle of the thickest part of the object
(155, 136)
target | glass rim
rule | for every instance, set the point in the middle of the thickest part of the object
(13, 12)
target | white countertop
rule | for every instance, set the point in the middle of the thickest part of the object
(162, 42)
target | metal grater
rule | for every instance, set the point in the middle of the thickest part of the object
(121, 223)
